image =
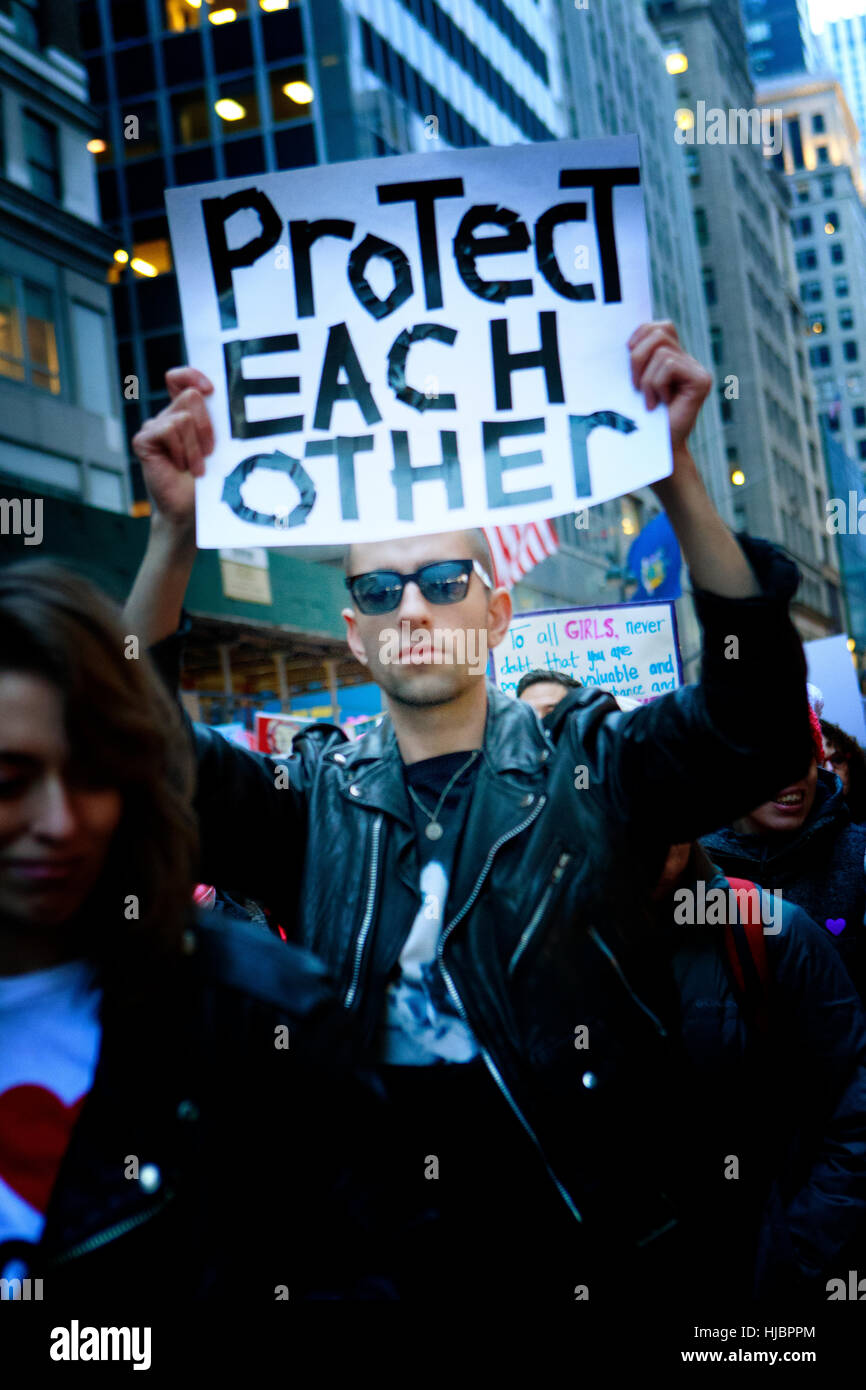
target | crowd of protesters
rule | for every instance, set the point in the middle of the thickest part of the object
(470, 1049)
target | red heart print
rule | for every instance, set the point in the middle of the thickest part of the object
(35, 1128)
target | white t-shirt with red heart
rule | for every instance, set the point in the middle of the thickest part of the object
(50, 1034)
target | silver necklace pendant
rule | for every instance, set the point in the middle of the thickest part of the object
(433, 831)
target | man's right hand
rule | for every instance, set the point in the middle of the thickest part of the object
(172, 446)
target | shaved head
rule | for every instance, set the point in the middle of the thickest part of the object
(473, 539)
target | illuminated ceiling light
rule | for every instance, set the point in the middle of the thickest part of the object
(850, 644)
(143, 267)
(628, 525)
(829, 228)
(223, 16)
(97, 146)
(229, 109)
(685, 118)
(676, 62)
(738, 477)
(195, 4)
(300, 92)
(270, 5)
(121, 256)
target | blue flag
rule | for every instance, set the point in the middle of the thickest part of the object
(654, 560)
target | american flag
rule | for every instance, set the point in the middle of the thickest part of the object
(516, 549)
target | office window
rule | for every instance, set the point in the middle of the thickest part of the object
(827, 186)
(811, 291)
(861, 448)
(846, 318)
(817, 323)
(180, 15)
(726, 407)
(41, 338)
(709, 286)
(837, 253)
(291, 104)
(244, 108)
(859, 416)
(717, 344)
(818, 126)
(850, 351)
(11, 343)
(819, 355)
(701, 227)
(190, 116)
(91, 359)
(802, 193)
(823, 154)
(796, 139)
(43, 160)
(840, 283)
(129, 19)
(802, 226)
(146, 139)
(808, 259)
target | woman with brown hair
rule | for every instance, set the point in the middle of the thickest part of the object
(175, 1101)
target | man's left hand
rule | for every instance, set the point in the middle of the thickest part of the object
(664, 372)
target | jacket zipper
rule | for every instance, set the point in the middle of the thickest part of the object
(489, 1062)
(537, 915)
(84, 1247)
(608, 953)
(368, 915)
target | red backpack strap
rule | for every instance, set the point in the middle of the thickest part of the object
(747, 951)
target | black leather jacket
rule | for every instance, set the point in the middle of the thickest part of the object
(209, 1162)
(549, 891)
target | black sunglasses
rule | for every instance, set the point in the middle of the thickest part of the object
(443, 581)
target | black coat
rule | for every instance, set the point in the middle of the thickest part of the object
(208, 1162)
(548, 903)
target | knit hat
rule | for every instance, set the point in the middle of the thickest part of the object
(817, 736)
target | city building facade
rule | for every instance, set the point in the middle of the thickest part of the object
(60, 411)
(779, 38)
(758, 331)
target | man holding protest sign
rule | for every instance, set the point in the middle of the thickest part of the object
(478, 892)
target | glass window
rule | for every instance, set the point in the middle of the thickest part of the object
(701, 227)
(295, 147)
(145, 186)
(196, 166)
(817, 323)
(232, 46)
(128, 19)
(105, 489)
(802, 226)
(282, 34)
(161, 354)
(238, 106)
(716, 343)
(819, 356)
(823, 154)
(861, 448)
(291, 93)
(859, 414)
(850, 351)
(840, 283)
(818, 123)
(134, 70)
(43, 161)
(181, 15)
(807, 260)
(141, 131)
(184, 62)
(827, 186)
(837, 254)
(11, 344)
(811, 291)
(846, 318)
(190, 117)
(709, 286)
(802, 193)
(91, 357)
(41, 338)
(244, 156)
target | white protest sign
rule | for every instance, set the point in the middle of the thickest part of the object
(830, 667)
(418, 344)
(627, 649)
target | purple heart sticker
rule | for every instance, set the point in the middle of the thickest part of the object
(835, 925)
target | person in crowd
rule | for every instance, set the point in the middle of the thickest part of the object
(844, 756)
(480, 891)
(804, 844)
(767, 1080)
(178, 1103)
(543, 690)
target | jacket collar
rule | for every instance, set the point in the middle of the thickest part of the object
(514, 741)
